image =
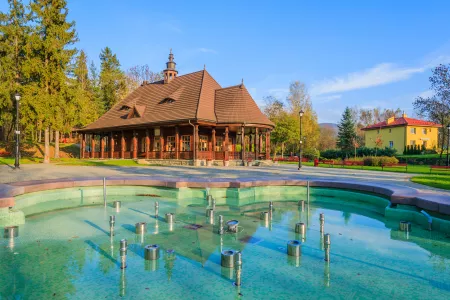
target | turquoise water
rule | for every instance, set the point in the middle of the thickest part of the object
(69, 253)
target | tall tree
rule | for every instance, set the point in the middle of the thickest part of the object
(86, 105)
(112, 79)
(346, 132)
(52, 52)
(13, 39)
(327, 138)
(299, 99)
(138, 74)
(437, 107)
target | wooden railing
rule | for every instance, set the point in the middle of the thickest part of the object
(186, 155)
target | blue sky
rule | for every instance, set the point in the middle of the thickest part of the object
(364, 53)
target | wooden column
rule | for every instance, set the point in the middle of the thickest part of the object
(267, 145)
(195, 142)
(225, 144)
(161, 144)
(102, 146)
(83, 145)
(92, 145)
(122, 146)
(243, 142)
(147, 144)
(256, 143)
(260, 142)
(213, 155)
(135, 145)
(111, 145)
(177, 142)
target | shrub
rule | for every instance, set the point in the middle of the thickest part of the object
(311, 153)
(379, 160)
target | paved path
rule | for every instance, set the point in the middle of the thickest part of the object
(40, 172)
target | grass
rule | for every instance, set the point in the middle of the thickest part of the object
(421, 156)
(416, 169)
(440, 181)
(72, 162)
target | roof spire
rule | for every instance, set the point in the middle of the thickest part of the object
(204, 67)
(170, 72)
(242, 82)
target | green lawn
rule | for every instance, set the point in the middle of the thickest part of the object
(417, 169)
(72, 162)
(421, 156)
(440, 181)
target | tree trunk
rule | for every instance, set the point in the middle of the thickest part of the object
(47, 146)
(282, 150)
(57, 144)
(51, 136)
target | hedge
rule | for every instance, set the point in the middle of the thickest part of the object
(360, 152)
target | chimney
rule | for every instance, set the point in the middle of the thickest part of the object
(390, 120)
(404, 115)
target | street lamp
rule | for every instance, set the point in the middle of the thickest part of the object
(16, 162)
(448, 143)
(301, 142)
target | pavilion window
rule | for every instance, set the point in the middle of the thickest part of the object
(170, 144)
(185, 143)
(203, 143)
(219, 144)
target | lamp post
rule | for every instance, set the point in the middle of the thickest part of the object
(301, 141)
(16, 162)
(448, 143)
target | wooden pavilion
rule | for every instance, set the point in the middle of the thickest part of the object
(188, 117)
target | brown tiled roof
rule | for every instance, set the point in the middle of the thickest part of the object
(402, 121)
(196, 96)
(235, 105)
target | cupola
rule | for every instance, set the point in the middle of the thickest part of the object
(170, 72)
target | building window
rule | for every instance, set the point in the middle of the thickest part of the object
(378, 131)
(424, 131)
(219, 144)
(185, 143)
(157, 132)
(390, 130)
(170, 143)
(413, 130)
(412, 142)
(203, 143)
(391, 144)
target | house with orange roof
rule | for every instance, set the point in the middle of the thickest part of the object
(185, 119)
(397, 133)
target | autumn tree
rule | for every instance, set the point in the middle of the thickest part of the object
(136, 75)
(327, 138)
(437, 107)
(299, 99)
(112, 79)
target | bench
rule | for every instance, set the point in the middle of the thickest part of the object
(327, 162)
(440, 168)
(395, 166)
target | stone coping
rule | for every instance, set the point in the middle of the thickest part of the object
(395, 193)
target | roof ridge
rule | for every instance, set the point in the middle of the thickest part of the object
(200, 93)
(230, 87)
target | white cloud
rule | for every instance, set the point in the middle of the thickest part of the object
(379, 75)
(326, 99)
(207, 50)
(426, 94)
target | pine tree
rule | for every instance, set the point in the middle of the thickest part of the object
(86, 105)
(52, 52)
(346, 132)
(13, 39)
(112, 79)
